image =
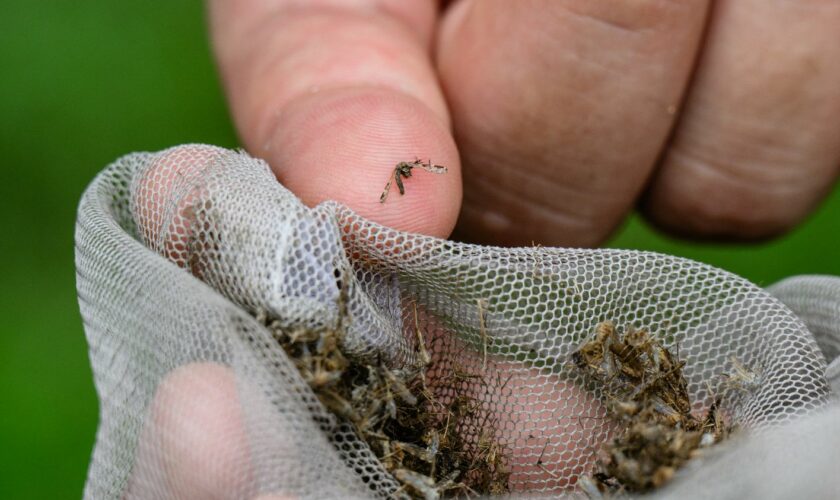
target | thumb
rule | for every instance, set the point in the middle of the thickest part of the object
(333, 98)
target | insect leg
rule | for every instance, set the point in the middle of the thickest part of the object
(399, 181)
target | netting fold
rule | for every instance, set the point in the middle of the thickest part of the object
(180, 253)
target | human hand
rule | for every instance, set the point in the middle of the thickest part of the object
(718, 122)
(214, 429)
(567, 107)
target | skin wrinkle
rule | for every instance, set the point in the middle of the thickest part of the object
(534, 129)
(541, 202)
(500, 194)
(578, 233)
(637, 24)
(741, 177)
(541, 186)
(602, 21)
(636, 90)
(295, 49)
(731, 205)
(753, 133)
(417, 16)
(753, 159)
(756, 165)
(531, 184)
(618, 66)
(329, 119)
(577, 53)
(336, 89)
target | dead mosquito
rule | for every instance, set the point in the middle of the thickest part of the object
(646, 391)
(741, 378)
(404, 168)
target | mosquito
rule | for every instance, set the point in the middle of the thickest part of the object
(404, 168)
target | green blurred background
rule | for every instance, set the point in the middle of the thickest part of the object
(84, 82)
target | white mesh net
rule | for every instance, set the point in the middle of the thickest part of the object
(177, 252)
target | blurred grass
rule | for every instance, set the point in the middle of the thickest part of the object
(82, 83)
(85, 82)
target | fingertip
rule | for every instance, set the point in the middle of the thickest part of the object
(163, 194)
(344, 144)
(194, 442)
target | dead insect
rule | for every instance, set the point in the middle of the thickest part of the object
(625, 408)
(404, 168)
(591, 355)
(428, 488)
(714, 427)
(396, 383)
(487, 447)
(633, 350)
(321, 378)
(424, 358)
(425, 454)
(448, 484)
(741, 378)
(420, 483)
(662, 475)
(338, 405)
(592, 488)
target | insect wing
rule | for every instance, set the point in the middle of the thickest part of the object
(385, 192)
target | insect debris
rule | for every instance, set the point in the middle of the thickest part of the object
(741, 378)
(647, 394)
(418, 431)
(403, 170)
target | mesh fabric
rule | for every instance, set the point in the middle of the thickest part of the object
(178, 251)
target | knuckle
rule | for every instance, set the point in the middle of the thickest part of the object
(742, 200)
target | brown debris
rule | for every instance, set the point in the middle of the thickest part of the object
(418, 438)
(648, 394)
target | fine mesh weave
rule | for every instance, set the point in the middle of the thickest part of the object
(177, 251)
(816, 299)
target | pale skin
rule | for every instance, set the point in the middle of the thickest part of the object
(555, 118)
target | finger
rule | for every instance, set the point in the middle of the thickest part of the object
(163, 199)
(561, 108)
(194, 444)
(758, 144)
(334, 94)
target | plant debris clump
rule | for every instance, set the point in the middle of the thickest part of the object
(648, 394)
(417, 438)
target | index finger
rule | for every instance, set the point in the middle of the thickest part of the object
(334, 94)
